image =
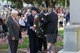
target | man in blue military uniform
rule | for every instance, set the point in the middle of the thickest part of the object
(33, 41)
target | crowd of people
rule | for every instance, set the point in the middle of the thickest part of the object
(41, 26)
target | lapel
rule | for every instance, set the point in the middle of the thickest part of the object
(32, 17)
(15, 23)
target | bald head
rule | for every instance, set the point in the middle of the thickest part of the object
(14, 14)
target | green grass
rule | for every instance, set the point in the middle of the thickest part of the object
(61, 32)
(4, 46)
(60, 43)
(25, 44)
(26, 41)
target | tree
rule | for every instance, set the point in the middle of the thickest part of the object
(38, 2)
(64, 2)
(29, 1)
(51, 3)
(16, 3)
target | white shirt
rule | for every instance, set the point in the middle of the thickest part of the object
(21, 22)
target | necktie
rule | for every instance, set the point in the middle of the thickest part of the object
(17, 23)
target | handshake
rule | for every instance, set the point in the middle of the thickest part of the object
(32, 27)
(36, 18)
(46, 14)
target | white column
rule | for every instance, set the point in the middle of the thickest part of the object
(75, 11)
(72, 32)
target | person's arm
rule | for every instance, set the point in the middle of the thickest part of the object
(10, 27)
(20, 36)
(5, 28)
(27, 23)
(43, 19)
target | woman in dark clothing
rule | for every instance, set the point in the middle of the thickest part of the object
(52, 20)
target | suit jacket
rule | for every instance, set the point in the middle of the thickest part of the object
(13, 29)
(30, 22)
(52, 20)
(43, 23)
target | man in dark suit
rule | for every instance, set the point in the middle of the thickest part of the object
(14, 28)
(31, 31)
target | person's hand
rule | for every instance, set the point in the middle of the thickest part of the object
(46, 14)
(13, 38)
(6, 39)
(32, 27)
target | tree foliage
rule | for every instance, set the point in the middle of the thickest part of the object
(16, 3)
(29, 1)
(52, 3)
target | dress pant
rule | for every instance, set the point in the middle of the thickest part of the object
(13, 45)
(9, 51)
(33, 43)
(42, 42)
